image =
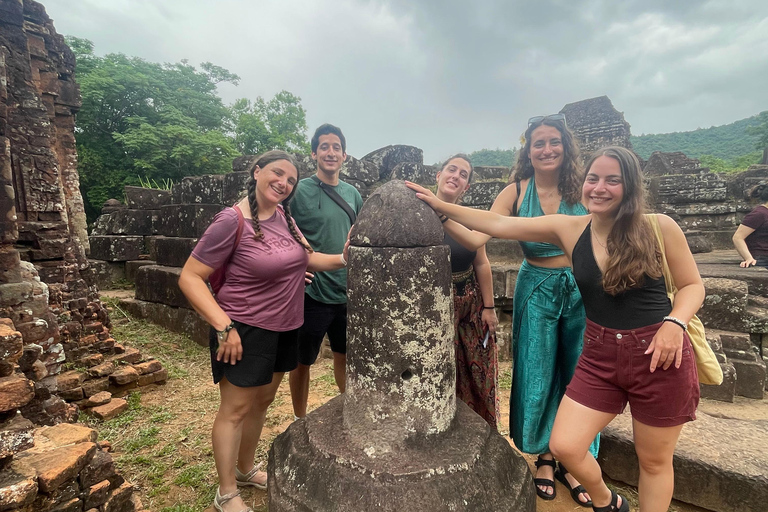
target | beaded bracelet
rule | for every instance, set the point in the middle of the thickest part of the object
(675, 320)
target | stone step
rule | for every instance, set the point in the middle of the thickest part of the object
(751, 377)
(720, 463)
(186, 220)
(173, 252)
(156, 283)
(116, 247)
(756, 278)
(182, 320)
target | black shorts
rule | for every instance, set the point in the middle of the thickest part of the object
(265, 352)
(320, 319)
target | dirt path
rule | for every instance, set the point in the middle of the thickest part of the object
(162, 445)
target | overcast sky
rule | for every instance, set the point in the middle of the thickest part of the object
(447, 75)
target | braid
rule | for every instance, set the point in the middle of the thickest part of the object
(292, 228)
(257, 234)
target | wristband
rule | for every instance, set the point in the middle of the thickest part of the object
(489, 307)
(443, 218)
(677, 321)
(343, 261)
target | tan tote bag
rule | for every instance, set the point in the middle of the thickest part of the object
(706, 362)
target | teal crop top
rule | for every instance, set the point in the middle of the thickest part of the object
(531, 207)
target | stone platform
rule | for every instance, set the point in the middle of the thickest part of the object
(465, 468)
(720, 462)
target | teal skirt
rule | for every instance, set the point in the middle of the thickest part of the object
(547, 334)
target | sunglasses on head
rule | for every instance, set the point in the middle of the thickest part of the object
(551, 117)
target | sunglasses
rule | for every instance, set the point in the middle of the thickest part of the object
(551, 117)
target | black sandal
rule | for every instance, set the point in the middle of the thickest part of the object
(546, 482)
(614, 505)
(560, 473)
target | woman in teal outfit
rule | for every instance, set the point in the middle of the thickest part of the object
(549, 320)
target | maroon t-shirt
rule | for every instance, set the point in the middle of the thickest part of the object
(264, 284)
(757, 242)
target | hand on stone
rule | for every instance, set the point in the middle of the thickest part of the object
(666, 346)
(231, 351)
(425, 195)
(748, 263)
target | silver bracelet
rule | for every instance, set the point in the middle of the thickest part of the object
(675, 320)
(343, 261)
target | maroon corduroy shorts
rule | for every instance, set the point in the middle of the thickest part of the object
(613, 369)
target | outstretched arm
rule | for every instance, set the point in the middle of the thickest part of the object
(548, 228)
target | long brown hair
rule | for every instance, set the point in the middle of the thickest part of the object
(571, 171)
(633, 252)
(262, 161)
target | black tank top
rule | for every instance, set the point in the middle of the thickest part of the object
(461, 257)
(634, 308)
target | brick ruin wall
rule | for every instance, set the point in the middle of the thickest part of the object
(56, 353)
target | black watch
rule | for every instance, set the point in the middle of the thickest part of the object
(221, 336)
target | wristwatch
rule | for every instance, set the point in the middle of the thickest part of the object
(221, 336)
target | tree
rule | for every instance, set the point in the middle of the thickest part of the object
(279, 123)
(760, 131)
(502, 157)
(143, 120)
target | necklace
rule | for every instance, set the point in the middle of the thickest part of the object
(599, 242)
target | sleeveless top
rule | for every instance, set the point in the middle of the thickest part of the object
(631, 309)
(461, 257)
(531, 207)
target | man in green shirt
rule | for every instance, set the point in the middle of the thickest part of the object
(325, 225)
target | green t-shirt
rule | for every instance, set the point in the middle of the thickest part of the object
(325, 226)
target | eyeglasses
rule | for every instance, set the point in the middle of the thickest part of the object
(551, 117)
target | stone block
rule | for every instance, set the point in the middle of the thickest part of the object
(175, 319)
(91, 360)
(11, 344)
(125, 222)
(385, 159)
(718, 463)
(141, 198)
(55, 467)
(123, 376)
(18, 486)
(16, 435)
(94, 386)
(101, 468)
(148, 367)
(72, 395)
(725, 304)
(68, 433)
(233, 187)
(69, 380)
(116, 247)
(500, 250)
(415, 172)
(95, 400)
(101, 370)
(173, 252)
(119, 500)
(123, 390)
(483, 193)
(492, 172)
(206, 189)
(363, 171)
(155, 283)
(15, 391)
(186, 220)
(96, 494)
(131, 267)
(150, 246)
(110, 410)
(750, 378)
(688, 188)
(726, 391)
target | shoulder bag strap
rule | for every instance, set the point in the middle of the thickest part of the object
(330, 192)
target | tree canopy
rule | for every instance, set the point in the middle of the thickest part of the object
(491, 157)
(157, 122)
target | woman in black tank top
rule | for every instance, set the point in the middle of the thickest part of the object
(635, 347)
(474, 315)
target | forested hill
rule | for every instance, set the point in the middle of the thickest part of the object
(727, 141)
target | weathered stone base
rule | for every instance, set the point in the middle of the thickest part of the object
(468, 467)
(720, 463)
(180, 320)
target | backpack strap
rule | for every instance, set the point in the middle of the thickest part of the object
(514, 205)
(330, 192)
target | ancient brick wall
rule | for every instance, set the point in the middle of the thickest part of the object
(596, 123)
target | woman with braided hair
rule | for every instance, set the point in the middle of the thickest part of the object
(255, 316)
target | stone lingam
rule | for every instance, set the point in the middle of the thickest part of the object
(398, 439)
